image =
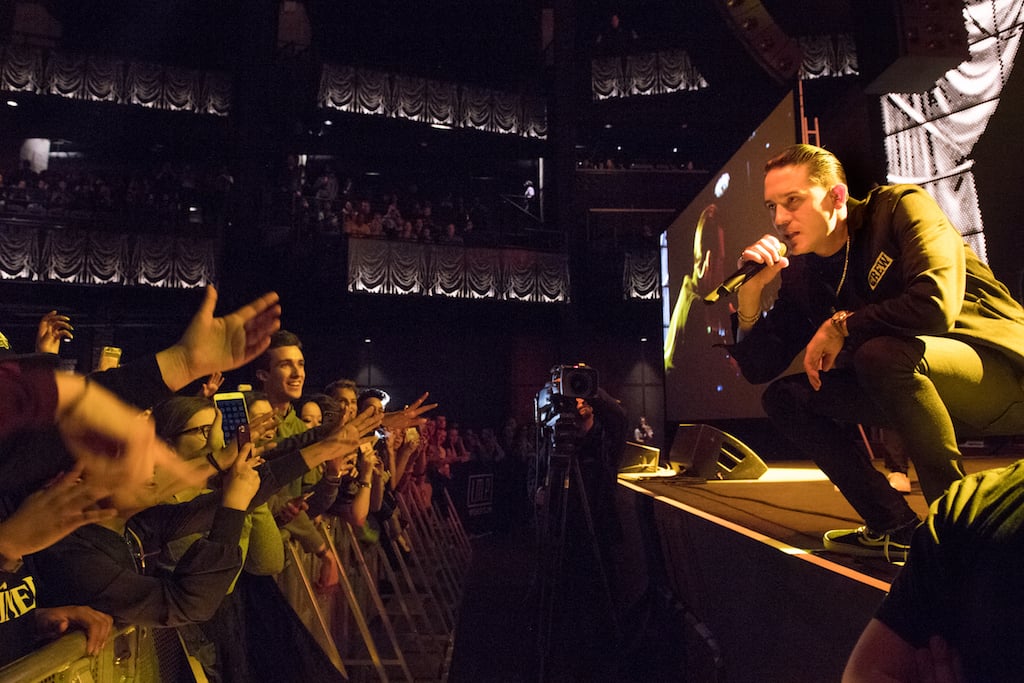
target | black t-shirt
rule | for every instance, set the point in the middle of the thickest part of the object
(964, 579)
(17, 600)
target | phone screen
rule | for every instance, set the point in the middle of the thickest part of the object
(233, 411)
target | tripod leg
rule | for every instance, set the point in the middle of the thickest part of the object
(595, 547)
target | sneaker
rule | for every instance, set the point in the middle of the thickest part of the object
(864, 542)
(899, 481)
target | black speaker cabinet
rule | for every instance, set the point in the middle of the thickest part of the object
(702, 451)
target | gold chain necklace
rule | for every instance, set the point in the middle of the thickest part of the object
(846, 264)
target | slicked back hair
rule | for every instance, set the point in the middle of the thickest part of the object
(823, 168)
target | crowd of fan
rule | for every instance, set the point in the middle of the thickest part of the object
(180, 196)
(195, 198)
(322, 202)
(124, 502)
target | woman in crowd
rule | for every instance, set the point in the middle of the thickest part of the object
(222, 644)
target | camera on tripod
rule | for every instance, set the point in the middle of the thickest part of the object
(558, 397)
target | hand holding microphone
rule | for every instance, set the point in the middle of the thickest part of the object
(766, 252)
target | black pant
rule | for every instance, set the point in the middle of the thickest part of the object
(924, 388)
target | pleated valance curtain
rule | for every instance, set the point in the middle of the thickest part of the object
(828, 57)
(644, 74)
(39, 71)
(383, 267)
(641, 274)
(670, 71)
(96, 257)
(369, 91)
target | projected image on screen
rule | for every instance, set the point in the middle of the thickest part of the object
(701, 248)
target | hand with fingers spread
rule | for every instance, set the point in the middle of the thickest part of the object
(408, 416)
(347, 437)
(53, 622)
(53, 329)
(50, 514)
(212, 344)
(212, 385)
(343, 466)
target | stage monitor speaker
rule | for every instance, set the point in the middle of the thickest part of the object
(702, 451)
(638, 458)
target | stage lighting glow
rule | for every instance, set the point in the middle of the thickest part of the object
(722, 185)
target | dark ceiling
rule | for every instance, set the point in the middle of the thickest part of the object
(494, 43)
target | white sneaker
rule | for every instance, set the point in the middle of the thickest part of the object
(899, 481)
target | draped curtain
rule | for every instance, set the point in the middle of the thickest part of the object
(367, 91)
(655, 73)
(669, 71)
(94, 78)
(96, 257)
(828, 57)
(641, 274)
(383, 267)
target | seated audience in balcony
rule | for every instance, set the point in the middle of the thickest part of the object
(450, 236)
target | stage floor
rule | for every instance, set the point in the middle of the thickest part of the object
(794, 504)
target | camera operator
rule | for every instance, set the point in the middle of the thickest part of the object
(601, 430)
(592, 431)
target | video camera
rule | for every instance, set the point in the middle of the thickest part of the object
(567, 383)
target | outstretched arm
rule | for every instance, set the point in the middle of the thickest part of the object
(49, 515)
(212, 344)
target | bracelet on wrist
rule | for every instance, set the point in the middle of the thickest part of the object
(748, 319)
(213, 462)
(363, 484)
(838, 321)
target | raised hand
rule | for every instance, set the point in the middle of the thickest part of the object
(52, 513)
(212, 344)
(116, 443)
(408, 416)
(212, 385)
(53, 329)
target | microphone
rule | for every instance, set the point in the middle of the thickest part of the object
(746, 271)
